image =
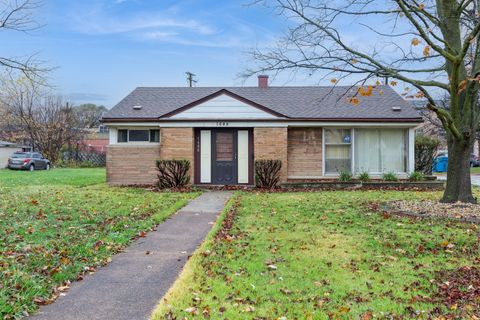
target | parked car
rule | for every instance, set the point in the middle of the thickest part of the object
(28, 161)
(474, 161)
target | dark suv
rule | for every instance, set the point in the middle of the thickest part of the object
(474, 160)
(28, 161)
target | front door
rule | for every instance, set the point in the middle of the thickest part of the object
(224, 156)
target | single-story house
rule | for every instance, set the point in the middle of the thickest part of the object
(317, 132)
(7, 149)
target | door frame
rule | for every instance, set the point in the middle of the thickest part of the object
(197, 153)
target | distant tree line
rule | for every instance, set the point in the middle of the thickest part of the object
(31, 113)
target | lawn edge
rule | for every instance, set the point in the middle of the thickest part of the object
(158, 218)
(181, 285)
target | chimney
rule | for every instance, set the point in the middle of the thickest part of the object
(263, 81)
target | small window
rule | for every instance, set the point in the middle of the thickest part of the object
(338, 155)
(122, 135)
(102, 129)
(154, 135)
(138, 135)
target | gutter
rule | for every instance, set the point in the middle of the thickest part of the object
(117, 120)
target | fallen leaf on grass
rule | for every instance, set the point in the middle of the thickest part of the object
(191, 310)
(63, 288)
(249, 309)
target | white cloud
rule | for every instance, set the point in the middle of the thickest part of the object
(111, 26)
(158, 35)
(171, 25)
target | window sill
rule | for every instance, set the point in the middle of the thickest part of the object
(135, 144)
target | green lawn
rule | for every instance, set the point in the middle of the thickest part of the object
(54, 225)
(54, 177)
(323, 255)
(476, 170)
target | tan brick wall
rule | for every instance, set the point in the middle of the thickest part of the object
(177, 143)
(271, 143)
(304, 152)
(130, 165)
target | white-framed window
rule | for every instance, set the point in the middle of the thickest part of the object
(338, 150)
(138, 135)
(381, 150)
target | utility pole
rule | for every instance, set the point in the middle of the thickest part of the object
(191, 78)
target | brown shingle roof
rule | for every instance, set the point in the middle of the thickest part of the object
(293, 102)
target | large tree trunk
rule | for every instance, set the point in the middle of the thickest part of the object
(459, 185)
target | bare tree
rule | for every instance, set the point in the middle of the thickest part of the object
(49, 122)
(89, 115)
(430, 45)
(17, 15)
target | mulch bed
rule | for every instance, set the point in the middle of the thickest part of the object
(466, 212)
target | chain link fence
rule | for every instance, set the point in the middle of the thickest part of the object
(85, 158)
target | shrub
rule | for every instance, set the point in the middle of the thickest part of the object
(173, 173)
(425, 149)
(345, 176)
(364, 176)
(415, 176)
(390, 176)
(267, 173)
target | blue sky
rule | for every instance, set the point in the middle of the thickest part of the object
(102, 49)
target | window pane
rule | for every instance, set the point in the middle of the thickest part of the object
(224, 146)
(337, 136)
(367, 150)
(154, 135)
(337, 158)
(380, 150)
(122, 136)
(138, 135)
(21, 155)
(393, 150)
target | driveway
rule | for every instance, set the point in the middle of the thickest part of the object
(133, 283)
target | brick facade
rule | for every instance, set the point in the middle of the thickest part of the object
(271, 143)
(177, 143)
(304, 152)
(299, 149)
(132, 164)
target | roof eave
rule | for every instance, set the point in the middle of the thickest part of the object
(416, 120)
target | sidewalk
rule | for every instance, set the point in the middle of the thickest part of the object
(133, 283)
(475, 178)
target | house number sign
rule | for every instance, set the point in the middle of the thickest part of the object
(222, 124)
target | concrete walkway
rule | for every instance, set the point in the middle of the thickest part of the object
(132, 284)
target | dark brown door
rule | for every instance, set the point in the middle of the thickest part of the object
(224, 156)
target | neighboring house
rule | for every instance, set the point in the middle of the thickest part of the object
(96, 140)
(315, 131)
(7, 149)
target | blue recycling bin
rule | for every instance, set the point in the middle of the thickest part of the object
(440, 164)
